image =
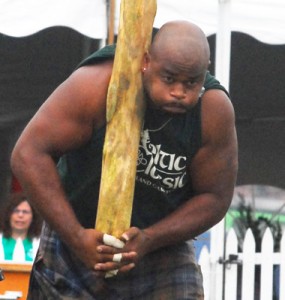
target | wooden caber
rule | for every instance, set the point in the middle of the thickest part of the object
(125, 111)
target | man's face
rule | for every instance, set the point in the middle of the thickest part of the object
(173, 85)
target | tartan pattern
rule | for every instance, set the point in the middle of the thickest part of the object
(168, 274)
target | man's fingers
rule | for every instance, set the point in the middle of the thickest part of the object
(108, 261)
(111, 273)
(130, 234)
(127, 268)
(105, 266)
(123, 269)
(125, 237)
(117, 257)
(102, 249)
(110, 240)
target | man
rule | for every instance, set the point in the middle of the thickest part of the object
(186, 173)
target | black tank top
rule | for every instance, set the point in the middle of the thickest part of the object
(167, 147)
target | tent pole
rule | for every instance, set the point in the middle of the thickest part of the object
(223, 43)
(111, 21)
(222, 72)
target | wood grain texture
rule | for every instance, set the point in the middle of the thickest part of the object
(125, 111)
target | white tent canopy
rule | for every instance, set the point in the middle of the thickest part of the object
(25, 17)
(262, 19)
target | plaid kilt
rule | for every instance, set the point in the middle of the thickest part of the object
(168, 274)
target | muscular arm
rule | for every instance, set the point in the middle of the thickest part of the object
(64, 122)
(213, 172)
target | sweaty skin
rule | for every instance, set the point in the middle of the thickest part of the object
(173, 75)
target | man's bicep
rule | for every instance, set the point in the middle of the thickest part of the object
(58, 125)
(214, 167)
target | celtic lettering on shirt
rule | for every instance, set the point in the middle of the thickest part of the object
(163, 171)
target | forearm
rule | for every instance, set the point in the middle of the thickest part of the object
(194, 217)
(39, 178)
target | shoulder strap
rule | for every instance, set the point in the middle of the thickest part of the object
(107, 52)
(211, 83)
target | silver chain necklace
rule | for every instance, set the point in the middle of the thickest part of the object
(162, 126)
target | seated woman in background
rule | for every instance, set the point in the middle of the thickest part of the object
(20, 224)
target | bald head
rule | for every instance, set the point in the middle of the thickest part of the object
(183, 39)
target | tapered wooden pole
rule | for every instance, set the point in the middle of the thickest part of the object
(125, 111)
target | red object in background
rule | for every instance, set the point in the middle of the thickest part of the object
(16, 187)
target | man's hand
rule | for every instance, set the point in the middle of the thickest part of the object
(116, 260)
(104, 253)
(137, 240)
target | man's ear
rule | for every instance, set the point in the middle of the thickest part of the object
(145, 62)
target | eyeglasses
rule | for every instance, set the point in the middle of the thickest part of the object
(23, 211)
